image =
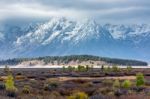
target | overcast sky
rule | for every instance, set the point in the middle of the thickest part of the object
(103, 11)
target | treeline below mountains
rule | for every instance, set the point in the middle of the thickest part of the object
(65, 60)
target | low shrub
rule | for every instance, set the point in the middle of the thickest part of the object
(140, 81)
(10, 83)
(126, 84)
(79, 95)
(116, 84)
(10, 87)
(26, 89)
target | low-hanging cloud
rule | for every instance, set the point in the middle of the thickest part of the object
(101, 10)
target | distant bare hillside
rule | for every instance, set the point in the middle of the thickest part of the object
(72, 60)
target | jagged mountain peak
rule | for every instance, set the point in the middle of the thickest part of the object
(60, 28)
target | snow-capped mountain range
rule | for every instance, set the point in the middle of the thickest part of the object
(61, 36)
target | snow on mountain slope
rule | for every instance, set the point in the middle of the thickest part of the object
(61, 29)
(124, 31)
(61, 36)
(82, 31)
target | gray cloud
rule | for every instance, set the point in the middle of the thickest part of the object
(101, 10)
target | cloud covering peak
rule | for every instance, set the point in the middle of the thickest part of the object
(104, 11)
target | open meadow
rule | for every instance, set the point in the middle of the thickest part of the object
(75, 83)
